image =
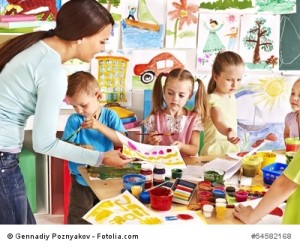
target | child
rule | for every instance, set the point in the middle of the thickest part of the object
(292, 119)
(169, 115)
(98, 132)
(285, 187)
(220, 135)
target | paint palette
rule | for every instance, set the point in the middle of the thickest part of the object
(183, 191)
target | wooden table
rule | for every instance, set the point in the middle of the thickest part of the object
(105, 189)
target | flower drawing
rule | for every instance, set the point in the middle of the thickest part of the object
(183, 14)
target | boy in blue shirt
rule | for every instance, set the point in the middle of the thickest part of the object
(98, 126)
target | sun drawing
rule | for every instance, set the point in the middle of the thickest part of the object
(270, 91)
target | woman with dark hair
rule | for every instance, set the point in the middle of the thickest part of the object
(33, 82)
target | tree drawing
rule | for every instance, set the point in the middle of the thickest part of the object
(114, 3)
(258, 38)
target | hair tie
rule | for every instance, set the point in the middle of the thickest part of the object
(51, 32)
(165, 74)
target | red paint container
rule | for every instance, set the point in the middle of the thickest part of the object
(241, 195)
(204, 196)
(205, 185)
(161, 198)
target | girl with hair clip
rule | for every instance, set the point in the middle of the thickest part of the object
(220, 134)
(33, 82)
(169, 116)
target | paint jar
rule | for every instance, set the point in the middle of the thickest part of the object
(176, 173)
(161, 198)
(268, 158)
(145, 197)
(204, 185)
(241, 196)
(147, 172)
(207, 210)
(250, 164)
(230, 191)
(292, 144)
(159, 173)
(221, 210)
(218, 194)
(214, 175)
(220, 200)
(289, 156)
(136, 190)
(204, 196)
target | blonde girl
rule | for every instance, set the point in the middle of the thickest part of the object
(220, 134)
(181, 126)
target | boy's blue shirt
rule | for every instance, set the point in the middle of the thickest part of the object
(90, 136)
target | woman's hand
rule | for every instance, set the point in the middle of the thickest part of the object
(115, 158)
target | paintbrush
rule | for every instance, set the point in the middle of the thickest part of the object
(158, 134)
(240, 175)
(78, 129)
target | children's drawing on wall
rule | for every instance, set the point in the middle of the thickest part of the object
(111, 71)
(232, 38)
(262, 103)
(289, 41)
(245, 6)
(276, 6)
(213, 43)
(168, 155)
(149, 63)
(44, 10)
(113, 6)
(259, 41)
(182, 20)
(216, 33)
(142, 24)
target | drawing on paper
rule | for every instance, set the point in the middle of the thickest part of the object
(111, 77)
(266, 102)
(120, 210)
(224, 5)
(149, 71)
(213, 43)
(260, 39)
(183, 16)
(276, 6)
(168, 155)
(45, 10)
(218, 32)
(140, 29)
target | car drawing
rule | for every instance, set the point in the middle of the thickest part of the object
(163, 62)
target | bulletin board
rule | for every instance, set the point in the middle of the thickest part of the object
(289, 57)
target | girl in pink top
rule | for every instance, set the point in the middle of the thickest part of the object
(181, 126)
(292, 119)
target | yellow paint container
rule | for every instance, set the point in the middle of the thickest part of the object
(268, 158)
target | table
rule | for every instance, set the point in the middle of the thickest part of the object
(105, 189)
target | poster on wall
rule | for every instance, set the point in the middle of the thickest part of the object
(262, 104)
(259, 44)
